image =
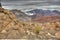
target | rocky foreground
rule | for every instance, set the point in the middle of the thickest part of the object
(12, 28)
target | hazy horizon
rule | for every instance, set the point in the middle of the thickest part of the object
(27, 4)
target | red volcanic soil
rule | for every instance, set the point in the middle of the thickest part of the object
(47, 19)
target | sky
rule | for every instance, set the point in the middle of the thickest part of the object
(30, 3)
(28, 0)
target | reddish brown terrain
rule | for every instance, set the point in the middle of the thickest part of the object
(47, 19)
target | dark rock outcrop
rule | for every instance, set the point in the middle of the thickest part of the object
(0, 5)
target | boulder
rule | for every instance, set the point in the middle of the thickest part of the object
(57, 34)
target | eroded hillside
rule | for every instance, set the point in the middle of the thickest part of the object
(47, 19)
(12, 28)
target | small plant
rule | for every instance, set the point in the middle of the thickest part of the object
(38, 29)
(23, 24)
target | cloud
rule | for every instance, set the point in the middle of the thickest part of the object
(23, 0)
(30, 2)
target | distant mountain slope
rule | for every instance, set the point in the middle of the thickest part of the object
(44, 12)
(40, 12)
(39, 15)
(21, 15)
(47, 19)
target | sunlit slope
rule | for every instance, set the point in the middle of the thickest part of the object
(12, 28)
